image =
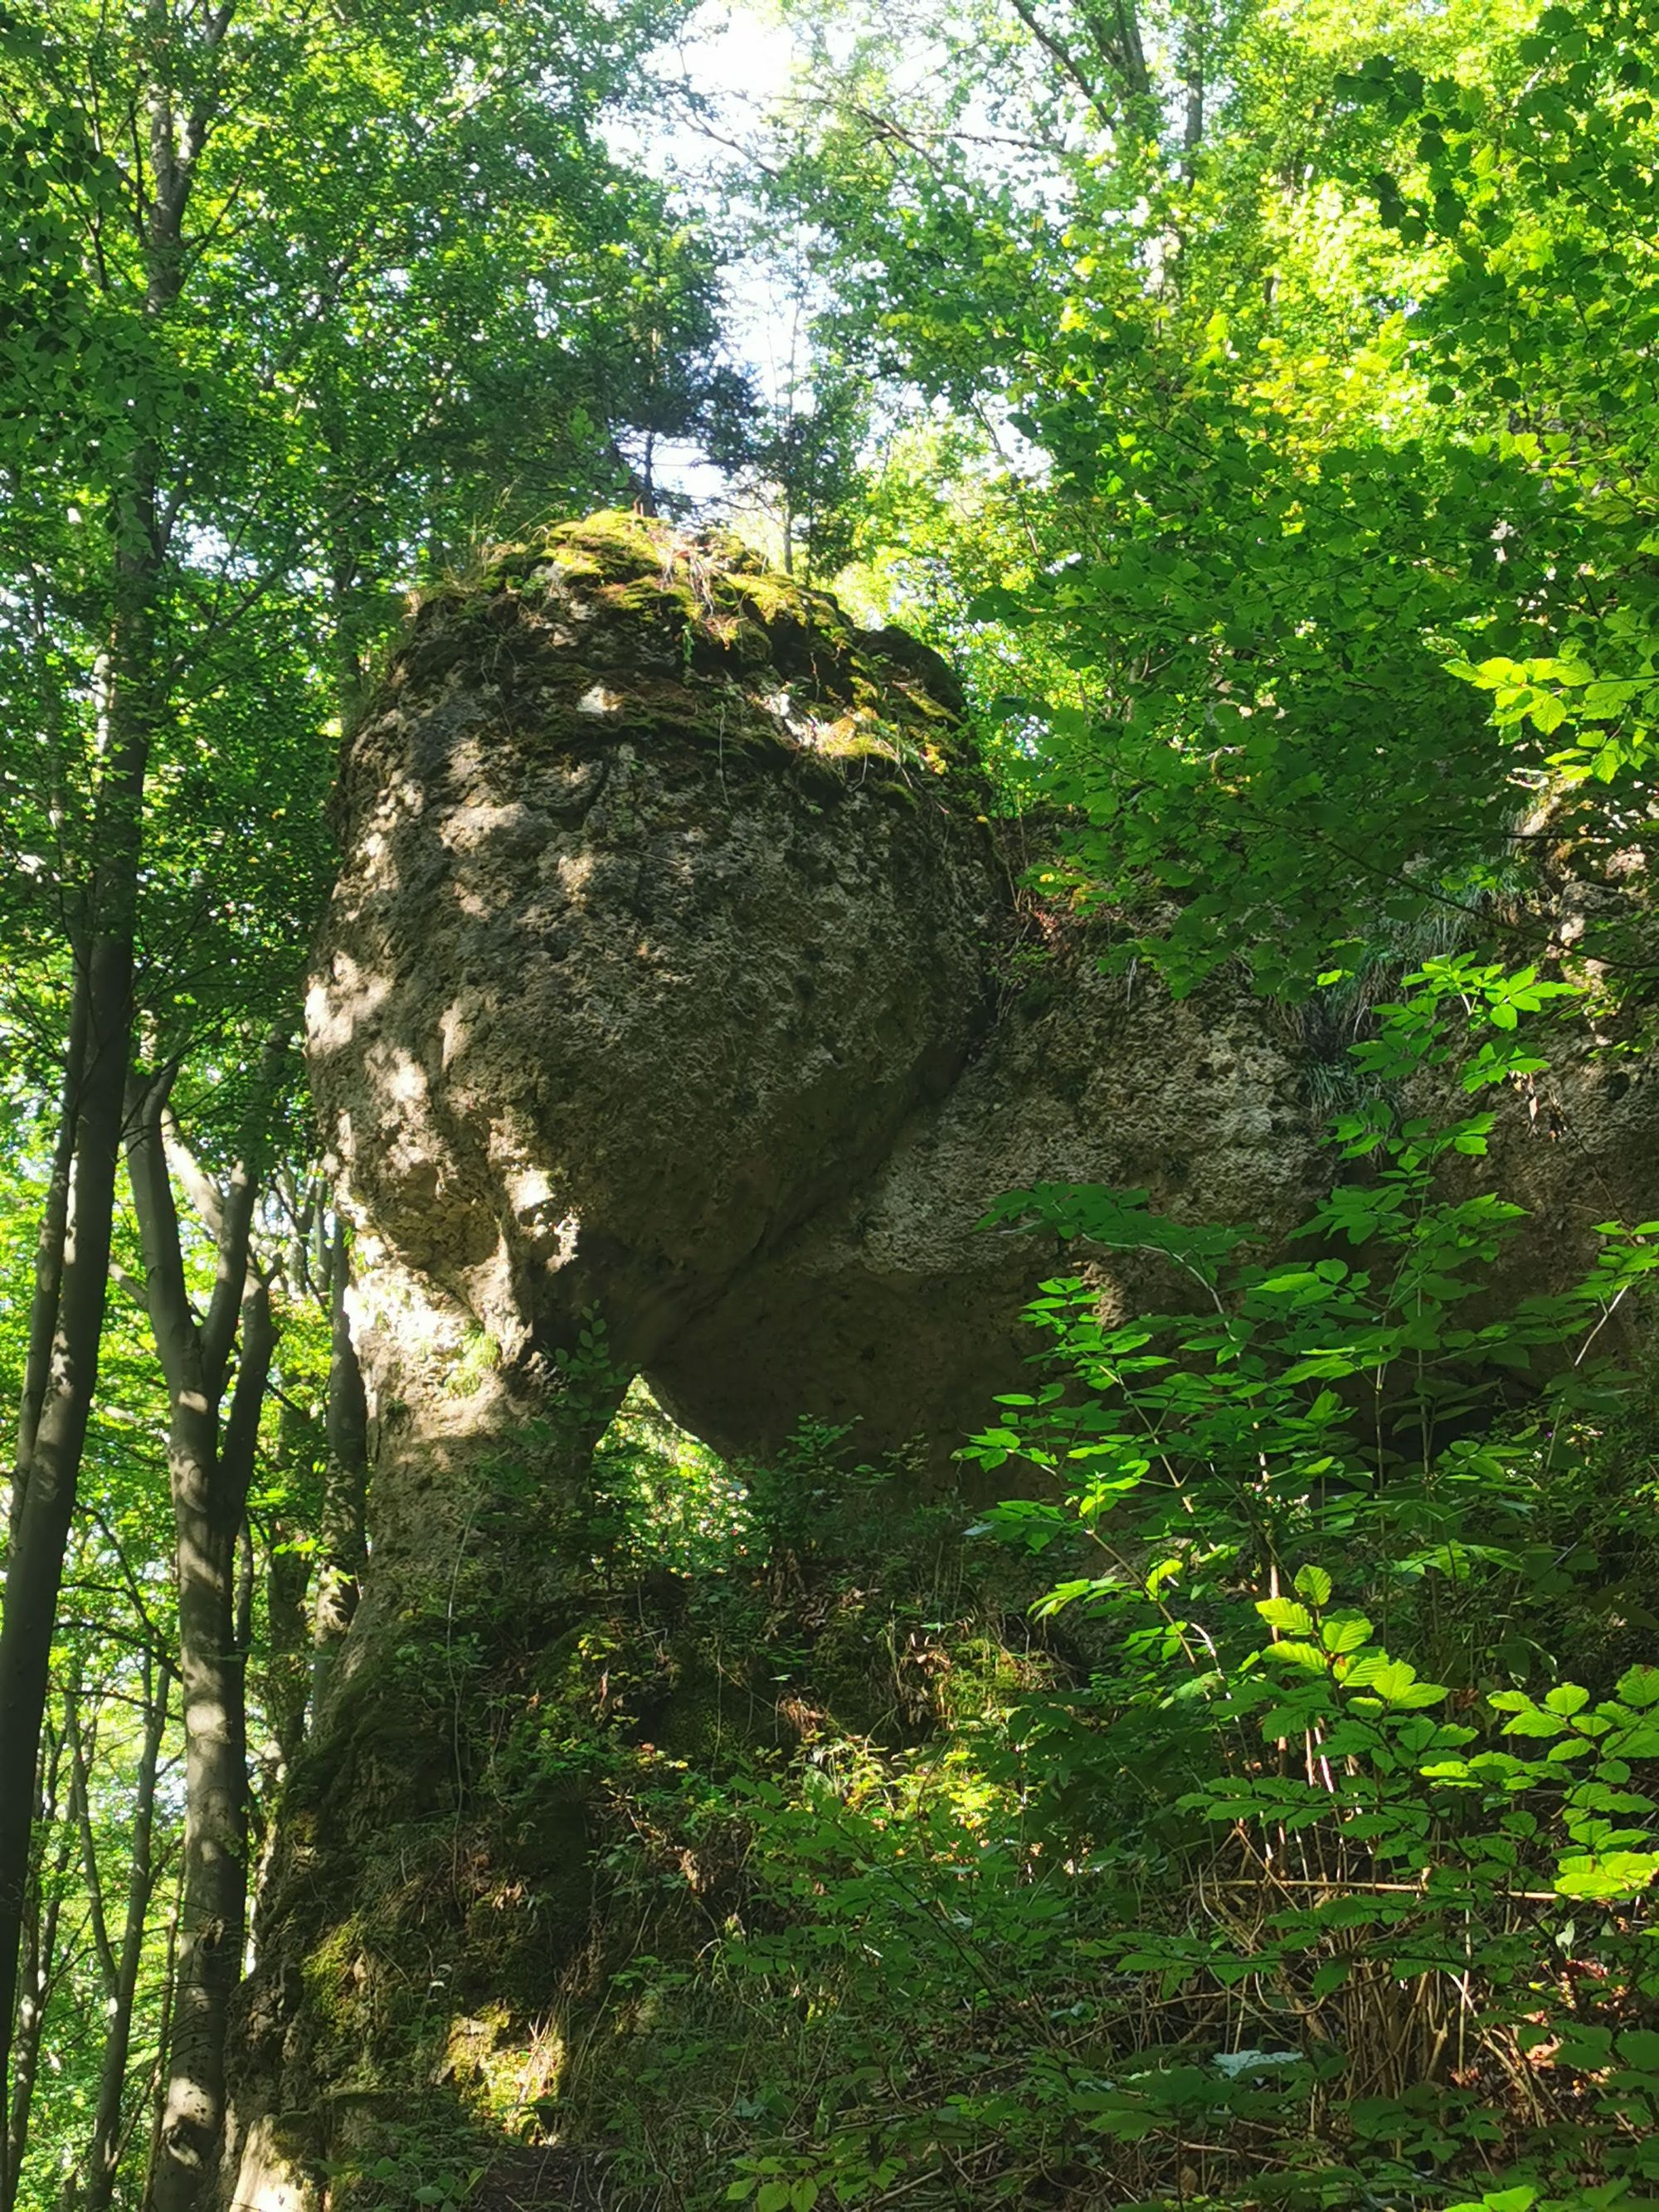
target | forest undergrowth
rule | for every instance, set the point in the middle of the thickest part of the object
(1291, 1848)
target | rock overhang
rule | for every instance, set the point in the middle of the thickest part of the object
(667, 975)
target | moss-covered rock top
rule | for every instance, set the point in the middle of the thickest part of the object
(655, 614)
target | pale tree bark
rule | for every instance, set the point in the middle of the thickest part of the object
(1192, 130)
(210, 1452)
(158, 2087)
(135, 700)
(1197, 48)
(241, 1619)
(82, 1752)
(49, 1249)
(341, 1557)
(104, 2152)
(288, 1616)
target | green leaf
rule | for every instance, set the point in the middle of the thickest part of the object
(1284, 1613)
(1342, 1634)
(1607, 1875)
(1308, 1657)
(1640, 2047)
(1536, 1721)
(1314, 1584)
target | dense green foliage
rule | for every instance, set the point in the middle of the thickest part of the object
(1343, 433)
(1299, 1854)
(1259, 402)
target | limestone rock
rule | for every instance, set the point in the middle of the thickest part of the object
(893, 1310)
(667, 899)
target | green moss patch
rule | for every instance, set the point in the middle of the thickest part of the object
(682, 636)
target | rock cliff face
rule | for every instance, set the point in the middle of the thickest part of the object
(675, 978)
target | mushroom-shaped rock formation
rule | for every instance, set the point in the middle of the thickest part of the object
(668, 976)
(675, 977)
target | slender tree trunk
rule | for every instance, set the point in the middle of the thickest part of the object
(340, 1569)
(163, 2041)
(104, 2154)
(34, 1568)
(1192, 137)
(213, 1907)
(1137, 77)
(49, 1250)
(287, 1612)
(1112, 27)
(41, 1913)
(241, 1626)
(209, 1474)
(81, 1755)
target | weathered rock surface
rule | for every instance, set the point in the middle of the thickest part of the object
(668, 976)
(893, 1310)
(664, 906)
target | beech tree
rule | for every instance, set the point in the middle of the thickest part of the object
(212, 1436)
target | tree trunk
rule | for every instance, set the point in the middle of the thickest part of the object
(209, 1476)
(212, 1910)
(288, 1621)
(241, 1611)
(340, 1566)
(104, 2154)
(40, 1917)
(35, 1569)
(163, 2041)
(1112, 27)
(1192, 137)
(81, 1756)
(49, 1251)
